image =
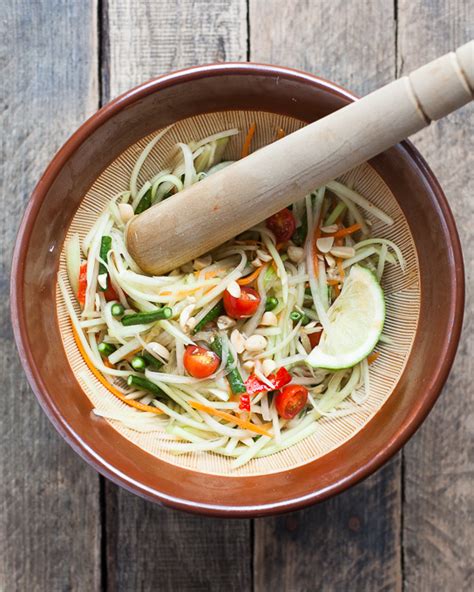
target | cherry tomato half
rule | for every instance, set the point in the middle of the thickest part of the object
(291, 400)
(200, 362)
(243, 306)
(315, 338)
(110, 293)
(282, 224)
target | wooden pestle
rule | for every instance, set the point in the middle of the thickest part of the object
(248, 191)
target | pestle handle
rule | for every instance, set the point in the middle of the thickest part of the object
(248, 191)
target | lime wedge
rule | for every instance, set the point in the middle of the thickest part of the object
(356, 321)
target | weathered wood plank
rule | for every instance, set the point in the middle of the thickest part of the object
(50, 529)
(350, 542)
(351, 42)
(438, 525)
(149, 547)
(353, 541)
(152, 548)
(149, 38)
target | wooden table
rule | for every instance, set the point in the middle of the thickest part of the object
(64, 528)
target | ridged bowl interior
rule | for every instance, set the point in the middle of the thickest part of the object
(402, 291)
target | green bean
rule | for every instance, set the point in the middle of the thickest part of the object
(138, 363)
(105, 349)
(271, 303)
(144, 318)
(152, 362)
(295, 315)
(299, 316)
(235, 379)
(105, 246)
(215, 312)
(145, 385)
(117, 310)
(144, 203)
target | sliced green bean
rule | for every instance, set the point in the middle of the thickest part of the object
(215, 312)
(105, 246)
(152, 362)
(105, 349)
(271, 303)
(235, 379)
(144, 384)
(143, 318)
(144, 203)
(117, 310)
(138, 363)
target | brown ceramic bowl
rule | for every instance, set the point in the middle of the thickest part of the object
(53, 204)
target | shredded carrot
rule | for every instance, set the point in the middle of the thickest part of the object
(248, 140)
(107, 384)
(278, 246)
(247, 425)
(333, 282)
(340, 268)
(248, 279)
(280, 133)
(135, 351)
(372, 357)
(346, 231)
(183, 293)
(337, 290)
(212, 274)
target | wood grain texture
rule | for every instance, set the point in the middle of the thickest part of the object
(148, 38)
(351, 42)
(148, 547)
(438, 530)
(351, 542)
(155, 548)
(50, 529)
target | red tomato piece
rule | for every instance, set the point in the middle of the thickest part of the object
(82, 289)
(282, 224)
(278, 379)
(200, 362)
(291, 400)
(243, 306)
(315, 338)
(109, 292)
